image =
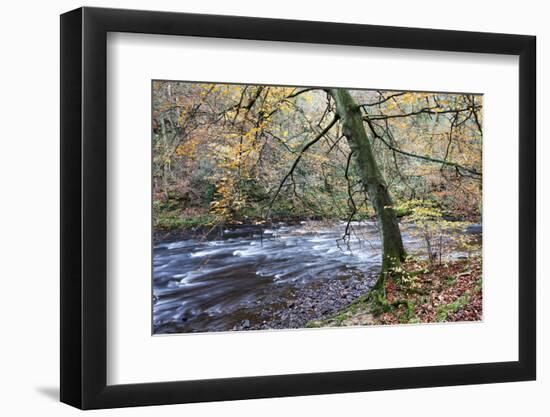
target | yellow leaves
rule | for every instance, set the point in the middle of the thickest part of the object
(164, 106)
(182, 116)
(231, 135)
(308, 97)
(189, 148)
(420, 210)
(228, 198)
(408, 98)
(252, 132)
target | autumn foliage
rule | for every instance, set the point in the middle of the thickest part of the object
(221, 151)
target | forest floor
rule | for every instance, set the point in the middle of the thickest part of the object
(446, 292)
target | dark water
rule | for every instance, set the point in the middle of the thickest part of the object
(261, 279)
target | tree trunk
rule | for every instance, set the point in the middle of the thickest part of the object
(164, 138)
(354, 131)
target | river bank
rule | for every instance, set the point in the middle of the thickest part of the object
(447, 292)
(254, 277)
(221, 230)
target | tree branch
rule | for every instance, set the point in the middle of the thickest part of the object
(381, 101)
(426, 110)
(351, 201)
(297, 160)
(425, 158)
(305, 90)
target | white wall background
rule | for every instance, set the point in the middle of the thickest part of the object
(29, 225)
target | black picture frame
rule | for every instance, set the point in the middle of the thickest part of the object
(84, 207)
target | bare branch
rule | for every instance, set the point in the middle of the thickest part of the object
(426, 110)
(476, 118)
(297, 160)
(381, 101)
(425, 158)
(351, 201)
(305, 90)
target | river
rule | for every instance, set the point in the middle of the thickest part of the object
(257, 278)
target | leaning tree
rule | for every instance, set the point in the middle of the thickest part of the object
(246, 118)
(359, 128)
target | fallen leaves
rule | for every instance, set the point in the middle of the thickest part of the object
(449, 292)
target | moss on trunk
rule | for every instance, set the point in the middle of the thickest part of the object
(354, 131)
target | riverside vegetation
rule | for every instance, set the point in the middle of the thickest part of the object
(292, 207)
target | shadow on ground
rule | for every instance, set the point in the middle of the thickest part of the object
(50, 392)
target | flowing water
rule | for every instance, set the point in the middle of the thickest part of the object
(253, 278)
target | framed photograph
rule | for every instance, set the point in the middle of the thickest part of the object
(256, 208)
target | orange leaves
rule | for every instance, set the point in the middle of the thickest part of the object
(239, 141)
(189, 148)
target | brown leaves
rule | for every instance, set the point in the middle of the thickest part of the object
(450, 292)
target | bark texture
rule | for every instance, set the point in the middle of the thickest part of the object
(352, 124)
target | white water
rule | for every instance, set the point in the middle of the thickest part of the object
(202, 285)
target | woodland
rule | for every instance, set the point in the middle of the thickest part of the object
(393, 178)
